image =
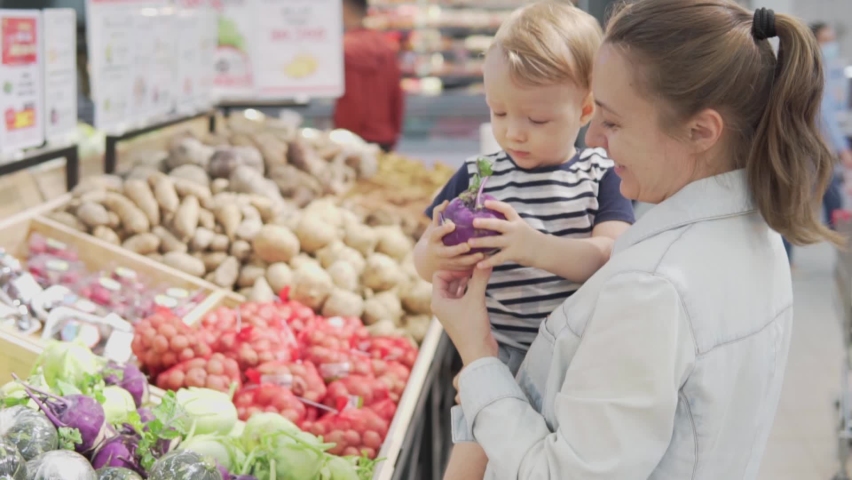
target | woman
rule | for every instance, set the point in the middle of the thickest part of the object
(667, 363)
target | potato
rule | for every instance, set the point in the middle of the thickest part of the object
(185, 263)
(93, 214)
(213, 259)
(338, 250)
(384, 328)
(201, 240)
(343, 275)
(106, 234)
(311, 286)
(261, 292)
(185, 187)
(186, 219)
(249, 228)
(229, 216)
(68, 220)
(264, 206)
(220, 243)
(168, 242)
(165, 193)
(241, 249)
(314, 234)
(327, 211)
(142, 243)
(114, 220)
(381, 273)
(141, 195)
(188, 151)
(418, 298)
(302, 259)
(132, 218)
(417, 326)
(275, 243)
(279, 275)
(344, 304)
(206, 219)
(219, 185)
(383, 306)
(193, 173)
(360, 237)
(249, 275)
(393, 242)
(227, 272)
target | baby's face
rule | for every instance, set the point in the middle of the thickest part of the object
(536, 125)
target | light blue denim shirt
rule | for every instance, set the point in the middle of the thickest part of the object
(834, 102)
(666, 364)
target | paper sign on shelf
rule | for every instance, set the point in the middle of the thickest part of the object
(301, 44)
(234, 74)
(60, 73)
(21, 89)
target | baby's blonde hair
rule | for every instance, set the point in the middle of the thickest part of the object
(546, 43)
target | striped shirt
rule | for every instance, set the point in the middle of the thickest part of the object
(565, 200)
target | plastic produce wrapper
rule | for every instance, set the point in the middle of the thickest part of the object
(12, 464)
(337, 333)
(361, 389)
(253, 345)
(334, 364)
(108, 336)
(302, 378)
(117, 473)
(184, 464)
(28, 430)
(269, 398)
(216, 373)
(353, 431)
(63, 464)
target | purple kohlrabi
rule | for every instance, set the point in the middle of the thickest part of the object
(470, 205)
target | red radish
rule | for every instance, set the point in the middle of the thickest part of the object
(216, 373)
(342, 427)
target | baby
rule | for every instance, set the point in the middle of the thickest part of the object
(563, 207)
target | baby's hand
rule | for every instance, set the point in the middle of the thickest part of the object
(516, 239)
(441, 256)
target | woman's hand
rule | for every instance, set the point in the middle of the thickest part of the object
(458, 301)
(515, 242)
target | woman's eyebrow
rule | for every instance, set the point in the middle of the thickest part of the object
(605, 107)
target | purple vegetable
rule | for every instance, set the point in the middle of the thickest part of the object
(118, 451)
(241, 477)
(129, 378)
(71, 412)
(226, 475)
(469, 205)
(145, 415)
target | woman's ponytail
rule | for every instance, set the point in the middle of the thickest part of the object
(789, 165)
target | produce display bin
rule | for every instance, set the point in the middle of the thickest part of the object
(408, 411)
(22, 350)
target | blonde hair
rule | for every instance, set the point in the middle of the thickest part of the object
(697, 54)
(546, 43)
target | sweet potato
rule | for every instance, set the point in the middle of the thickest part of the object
(141, 195)
(186, 219)
(143, 243)
(132, 218)
(212, 260)
(185, 263)
(114, 220)
(106, 234)
(275, 243)
(168, 242)
(92, 214)
(219, 185)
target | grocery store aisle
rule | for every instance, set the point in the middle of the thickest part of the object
(803, 442)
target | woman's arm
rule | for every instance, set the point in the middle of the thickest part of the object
(616, 405)
(576, 259)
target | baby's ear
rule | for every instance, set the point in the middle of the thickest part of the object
(587, 109)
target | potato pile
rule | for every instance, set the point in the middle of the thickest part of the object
(259, 244)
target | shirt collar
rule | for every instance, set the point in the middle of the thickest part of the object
(720, 196)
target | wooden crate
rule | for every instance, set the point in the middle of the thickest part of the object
(405, 410)
(96, 255)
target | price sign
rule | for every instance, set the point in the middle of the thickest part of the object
(21, 79)
(60, 72)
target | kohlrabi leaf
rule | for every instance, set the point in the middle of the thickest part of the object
(69, 438)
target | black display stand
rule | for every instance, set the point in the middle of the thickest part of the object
(46, 153)
(428, 442)
(110, 155)
(227, 106)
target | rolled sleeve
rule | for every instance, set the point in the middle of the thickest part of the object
(615, 409)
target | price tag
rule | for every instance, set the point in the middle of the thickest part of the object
(178, 293)
(109, 284)
(55, 244)
(283, 379)
(57, 265)
(165, 301)
(117, 346)
(27, 287)
(125, 273)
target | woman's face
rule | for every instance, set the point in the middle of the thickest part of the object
(652, 163)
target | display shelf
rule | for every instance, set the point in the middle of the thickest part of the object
(114, 138)
(22, 160)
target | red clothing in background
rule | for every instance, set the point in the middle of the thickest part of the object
(372, 105)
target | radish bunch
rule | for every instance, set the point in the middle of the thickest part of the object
(353, 431)
(302, 378)
(369, 390)
(269, 397)
(162, 340)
